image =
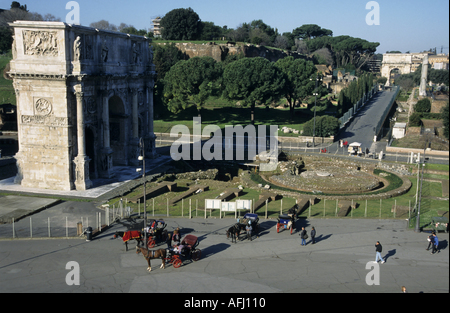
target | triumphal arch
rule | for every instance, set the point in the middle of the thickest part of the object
(84, 101)
(399, 62)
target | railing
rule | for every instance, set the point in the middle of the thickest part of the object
(395, 91)
(349, 114)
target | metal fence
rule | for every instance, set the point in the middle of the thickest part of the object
(61, 226)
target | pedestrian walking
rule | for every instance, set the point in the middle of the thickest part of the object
(313, 235)
(435, 244)
(430, 241)
(378, 249)
(304, 236)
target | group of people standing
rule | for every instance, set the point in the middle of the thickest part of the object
(304, 236)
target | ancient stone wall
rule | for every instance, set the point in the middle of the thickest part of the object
(220, 51)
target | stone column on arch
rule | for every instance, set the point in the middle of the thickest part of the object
(150, 144)
(106, 153)
(134, 141)
(82, 180)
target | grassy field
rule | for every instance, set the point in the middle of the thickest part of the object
(230, 115)
(431, 203)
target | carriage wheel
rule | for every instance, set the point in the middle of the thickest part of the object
(151, 243)
(177, 263)
(196, 255)
(292, 228)
(173, 258)
(278, 227)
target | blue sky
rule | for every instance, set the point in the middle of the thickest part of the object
(404, 25)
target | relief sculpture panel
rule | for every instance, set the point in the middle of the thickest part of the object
(40, 43)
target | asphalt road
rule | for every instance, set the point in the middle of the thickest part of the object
(272, 263)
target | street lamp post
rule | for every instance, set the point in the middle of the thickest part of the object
(315, 94)
(417, 229)
(142, 158)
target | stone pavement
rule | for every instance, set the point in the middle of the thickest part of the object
(17, 207)
(272, 263)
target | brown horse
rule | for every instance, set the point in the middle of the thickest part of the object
(152, 254)
(129, 235)
(233, 232)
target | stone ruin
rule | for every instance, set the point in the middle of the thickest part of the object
(323, 175)
(84, 100)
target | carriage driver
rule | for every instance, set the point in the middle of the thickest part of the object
(248, 228)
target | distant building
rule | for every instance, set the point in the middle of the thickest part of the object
(439, 61)
(399, 130)
(374, 64)
(156, 26)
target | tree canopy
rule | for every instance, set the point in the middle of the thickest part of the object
(181, 24)
(191, 82)
(345, 49)
(325, 126)
(252, 80)
(310, 31)
(298, 84)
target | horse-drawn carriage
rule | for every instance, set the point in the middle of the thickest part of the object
(156, 232)
(287, 221)
(249, 224)
(251, 219)
(186, 250)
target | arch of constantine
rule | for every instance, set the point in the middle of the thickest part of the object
(84, 99)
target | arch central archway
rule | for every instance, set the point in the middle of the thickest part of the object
(393, 75)
(117, 128)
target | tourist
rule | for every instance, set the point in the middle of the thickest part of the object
(176, 237)
(378, 249)
(430, 241)
(169, 241)
(435, 244)
(313, 235)
(304, 236)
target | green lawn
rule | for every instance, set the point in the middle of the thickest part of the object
(231, 115)
(374, 209)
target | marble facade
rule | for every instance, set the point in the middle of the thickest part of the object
(84, 99)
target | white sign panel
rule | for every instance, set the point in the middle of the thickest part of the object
(244, 204)
(229, 206)
(212, 203)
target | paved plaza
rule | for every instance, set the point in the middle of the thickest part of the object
(272, 263)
